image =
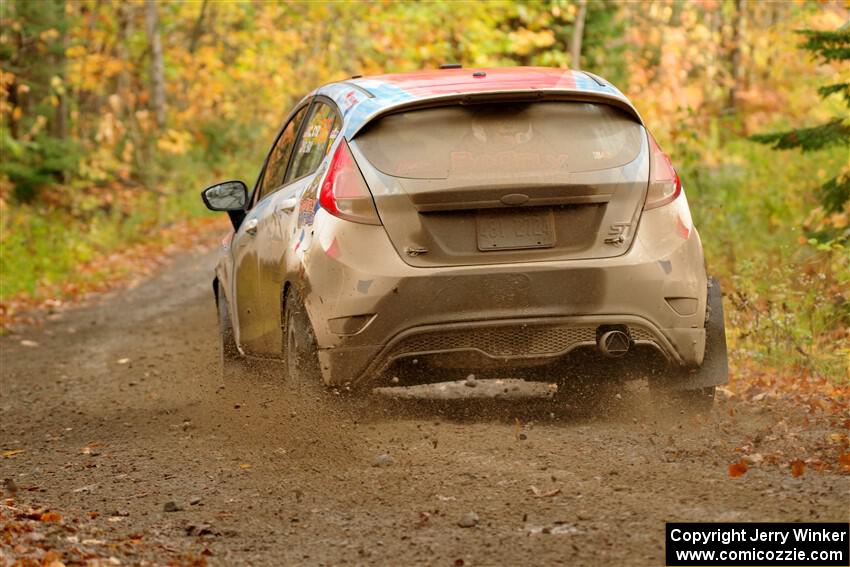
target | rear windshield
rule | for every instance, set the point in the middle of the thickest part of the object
(487, 140)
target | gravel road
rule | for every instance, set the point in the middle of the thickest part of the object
(114, 417)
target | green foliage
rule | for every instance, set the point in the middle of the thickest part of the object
(786, 302)
(33, 164)
(835, 193)
(45, 245)
(838, 88)
(832, 133)
(540, 33)
(603, 51)
(828, 45)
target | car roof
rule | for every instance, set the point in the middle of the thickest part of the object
(361, 99)
(420, 84)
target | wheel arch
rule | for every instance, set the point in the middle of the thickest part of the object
(289, 285)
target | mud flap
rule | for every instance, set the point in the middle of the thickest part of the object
(714, 370)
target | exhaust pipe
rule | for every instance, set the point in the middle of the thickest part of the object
(613, 343)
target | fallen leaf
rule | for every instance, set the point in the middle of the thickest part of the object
(87, 450)
(50, 517)
(541, 494)
(12, 453)
(725, 392)
(52, 559)
(798, 468)
(844, 461)
(423, 518)
(738, 469)
(245, 466)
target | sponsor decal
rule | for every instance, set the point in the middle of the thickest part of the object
(507, 160)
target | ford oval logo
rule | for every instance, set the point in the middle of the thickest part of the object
(514, 199)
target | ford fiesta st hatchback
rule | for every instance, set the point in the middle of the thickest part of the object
(486, 220)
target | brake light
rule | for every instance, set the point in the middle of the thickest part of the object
(665, 184)
(344, 193)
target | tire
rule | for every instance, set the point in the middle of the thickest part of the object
(231, 359)
(694, 389)
(300, 351)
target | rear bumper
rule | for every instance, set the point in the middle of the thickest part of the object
(504, 343)
(506, 315)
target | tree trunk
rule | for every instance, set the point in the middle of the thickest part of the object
(157, 66)
(125, 86)
(59, 122)
(197, 30)
(578, 32)
(736, 70)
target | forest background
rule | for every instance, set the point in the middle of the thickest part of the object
(113, 116)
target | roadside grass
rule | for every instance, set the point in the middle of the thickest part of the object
(44, 246)
(84, 238)
(787, 299)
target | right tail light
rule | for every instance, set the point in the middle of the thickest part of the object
(344, 192)
(665, 185)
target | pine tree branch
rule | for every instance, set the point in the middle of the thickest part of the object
(842, 88)
(832, 133)
(835, 192)
(829, 45)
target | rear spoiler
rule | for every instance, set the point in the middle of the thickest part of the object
(533, 95)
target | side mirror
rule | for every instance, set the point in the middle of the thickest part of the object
(226, 196)
(229, 196)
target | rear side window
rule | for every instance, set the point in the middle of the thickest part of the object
(317, 137)
(497, 140)
(279, 156)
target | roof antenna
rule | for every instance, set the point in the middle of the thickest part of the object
(451, 66)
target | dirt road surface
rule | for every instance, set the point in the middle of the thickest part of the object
(114, 414)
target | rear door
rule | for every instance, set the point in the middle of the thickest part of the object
(252, 321)
(276, 233)
(506, 182)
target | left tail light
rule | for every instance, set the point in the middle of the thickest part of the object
(344, 192)
(665, 184)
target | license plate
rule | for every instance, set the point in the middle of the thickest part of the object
(506, 230)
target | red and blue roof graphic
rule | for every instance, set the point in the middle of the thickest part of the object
(362, 98)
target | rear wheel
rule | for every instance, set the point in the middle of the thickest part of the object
(694, 389)
(301, 359)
